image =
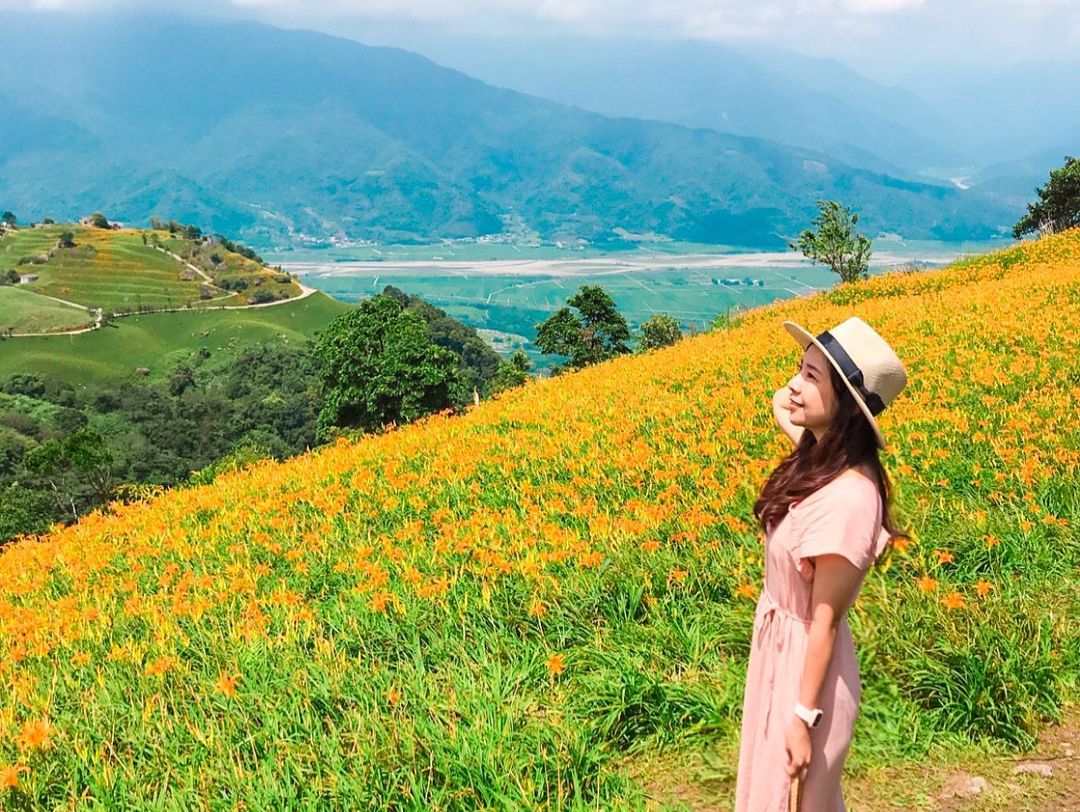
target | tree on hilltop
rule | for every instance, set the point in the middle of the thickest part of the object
(1058, 206)
(378, 365)
(8, 219)
(99, 220)
(595, 333)
(836, 243)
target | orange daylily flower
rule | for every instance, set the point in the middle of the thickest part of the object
(226, 683)
(35, 734)
(982, 587)
(9, 775)
(954, 600)
(927, 584)
(555, 664)
(746, 591)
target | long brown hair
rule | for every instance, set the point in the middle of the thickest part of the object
(849, 442)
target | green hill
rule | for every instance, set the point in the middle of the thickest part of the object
(24, 311)
(157, 341)
(123, 271)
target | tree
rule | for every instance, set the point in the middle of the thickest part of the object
(78, 469)
(479, 362)
(1058, 207)
(25, 511)
(660, 330)
(8, 218)
(595, 333)
(67, 239)
(378, 366)
(512, 373)
(98, 220)
(835, 243)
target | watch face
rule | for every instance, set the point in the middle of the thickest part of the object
(817, 718)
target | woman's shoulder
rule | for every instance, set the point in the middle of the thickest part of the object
(852, 482)
(853, 488)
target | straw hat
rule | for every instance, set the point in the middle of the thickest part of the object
(868, 365)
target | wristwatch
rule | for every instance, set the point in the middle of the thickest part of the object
(811, 717)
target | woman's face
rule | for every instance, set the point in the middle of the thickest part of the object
(813, 400)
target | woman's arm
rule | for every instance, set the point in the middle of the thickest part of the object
(836, 583)
(782, 411)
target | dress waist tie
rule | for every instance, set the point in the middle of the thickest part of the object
(772, 608)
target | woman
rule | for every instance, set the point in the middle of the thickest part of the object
(825, 514)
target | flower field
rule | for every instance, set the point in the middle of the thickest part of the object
(492, 610)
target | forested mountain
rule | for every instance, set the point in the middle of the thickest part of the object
(275, 135)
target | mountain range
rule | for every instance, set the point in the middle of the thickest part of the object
(284, 137)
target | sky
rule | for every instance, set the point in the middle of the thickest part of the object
(884, 39)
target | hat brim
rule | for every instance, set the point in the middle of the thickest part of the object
(804, 338)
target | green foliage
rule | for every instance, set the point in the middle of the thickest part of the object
(238, 248)
(726, 320)
(379, 366)
(657, 331)
(8, 219)
(9, 277)
(479, 362)
(1058, 206)
(67, 239)
(23, 511)
(245, 454)
(98, 220)
(597, 332)
(262, 402)
(77, 469)
(512, 373)
(835, 243)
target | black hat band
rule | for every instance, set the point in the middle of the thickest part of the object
(851, 372)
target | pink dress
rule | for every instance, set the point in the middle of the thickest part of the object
(843, 516)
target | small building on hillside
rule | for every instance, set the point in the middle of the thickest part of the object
(27, 278)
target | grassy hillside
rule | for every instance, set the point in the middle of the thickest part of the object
(128, 271)
(158, 340)
(26, 312)
(494, 610)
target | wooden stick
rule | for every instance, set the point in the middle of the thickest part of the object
(795, 798)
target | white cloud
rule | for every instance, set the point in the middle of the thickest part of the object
(881, 6)
(883, 32)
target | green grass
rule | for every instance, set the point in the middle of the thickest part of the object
(27, 242)
(27, 312)
(159, 340)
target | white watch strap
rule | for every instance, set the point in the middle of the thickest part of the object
(805, 713)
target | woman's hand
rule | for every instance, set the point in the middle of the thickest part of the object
(797, 744)
(781, 404)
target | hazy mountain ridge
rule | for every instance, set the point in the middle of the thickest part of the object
(270, 134)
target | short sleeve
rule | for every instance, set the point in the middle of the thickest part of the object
(843, 517)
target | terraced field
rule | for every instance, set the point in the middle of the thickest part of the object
(113, 270)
